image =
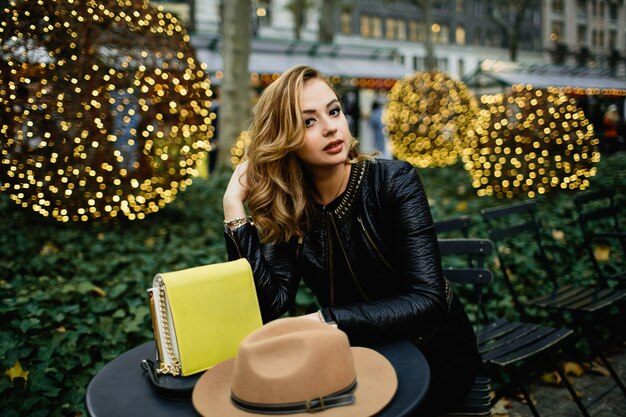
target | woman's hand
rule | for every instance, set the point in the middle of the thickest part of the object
(236, 193)
(317, 316)
(313, 316)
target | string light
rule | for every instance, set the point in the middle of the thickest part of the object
(427, 117)
(104, 108)
(530, 141)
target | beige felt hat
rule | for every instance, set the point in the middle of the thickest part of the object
(294, 365)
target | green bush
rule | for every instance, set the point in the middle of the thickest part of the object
(72, 295)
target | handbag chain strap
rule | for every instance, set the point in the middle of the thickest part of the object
(174, 367)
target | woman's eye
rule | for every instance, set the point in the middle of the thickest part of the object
(335, 111)
(308, 122)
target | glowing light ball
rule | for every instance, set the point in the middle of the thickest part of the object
(529, 141)
(238, 151)
(427, 118)
(104, 109)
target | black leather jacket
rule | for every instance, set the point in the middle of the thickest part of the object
(372, 260)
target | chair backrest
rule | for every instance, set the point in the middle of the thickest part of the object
(460, 224)
(598, 218)
(454, 227)
(468, 267)
(515, 230)
(597, 209)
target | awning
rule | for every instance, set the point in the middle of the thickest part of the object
(269, 57)
(491, 74)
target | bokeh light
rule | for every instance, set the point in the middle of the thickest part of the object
(529, 141)
(238, 151)
(104, 108)
(427, 118)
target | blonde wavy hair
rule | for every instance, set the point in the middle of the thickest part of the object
(281, 199)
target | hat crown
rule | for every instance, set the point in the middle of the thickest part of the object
(290, 361)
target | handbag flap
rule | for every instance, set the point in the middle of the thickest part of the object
(213, 308)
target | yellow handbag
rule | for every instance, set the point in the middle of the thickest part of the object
(200, 315)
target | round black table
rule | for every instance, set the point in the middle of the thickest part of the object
(121, 388)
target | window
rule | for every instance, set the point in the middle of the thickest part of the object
(612, 39)
(346, 23)
(601, 38)
(459, 35)
(581, 34)
(557, 6)
(460, 6)
(413, 31)
(377, 27)
(390, 28)
(536, 19)
(557, 30)
(365, 26)
(461, 67)
(371, 26)
(527, 16)
(581, 8)
(478, 7)
(436, 29)
(395, 29)
(441, 5)
(441, 33)
(263, 13)
(612, 12)
(602, 9)
(401, 30)
(417, 31)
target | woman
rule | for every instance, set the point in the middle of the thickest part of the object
(357, 230)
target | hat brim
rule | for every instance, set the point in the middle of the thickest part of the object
(376, 385)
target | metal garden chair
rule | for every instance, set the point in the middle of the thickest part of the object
(605, 240)
(477, 402)
(515, 229)
(515, 348)
(459, 224)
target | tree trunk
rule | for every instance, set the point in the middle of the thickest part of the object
(513, 43)
(235, 111)
(513, 29)
(298, 9)
(430, 61)
(191, 26)
(327, 22)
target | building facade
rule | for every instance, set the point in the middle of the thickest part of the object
(586, 33)
(377, 42)
(575, 32)
(463, 32)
